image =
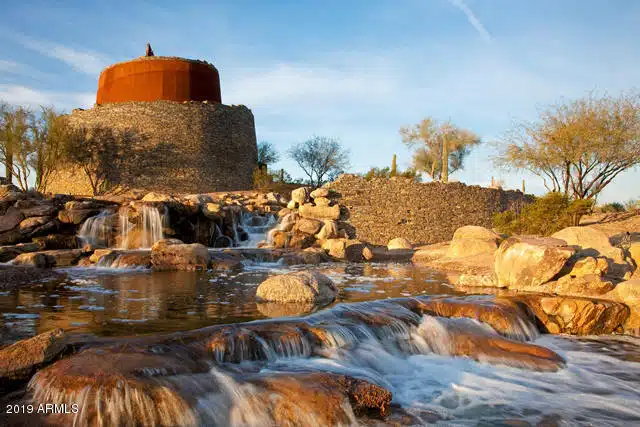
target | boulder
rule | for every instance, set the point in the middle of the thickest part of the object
(7, 253)
(527, 262)
(173, 254)
(63, 257)
(589, 266)
(11, 219)
(308, 225)
(634, 253)
(319, 212)
(303, 286)
(288, 222)
(322, 201)
(32, 259)
(319, 192)
(589, 285)
(329, 230)
(628, 293)
(76, 216)
(11, 236)
(57, 241)
(33, 222)
(344, 249)
(279, 239)
(158, 197)
(98, 254)
(212, 210)
(472, 240)
(299, 240)
(39, 210)
(312, 256)
(19, 361)
(399, 243)
(300, 195)
(292, 204)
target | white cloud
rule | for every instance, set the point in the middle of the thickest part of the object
(30, 97)
(473, 19)
(83, 60)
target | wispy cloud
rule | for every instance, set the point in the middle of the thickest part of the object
(30, 97)
(473, 19)
(18, 69)
(83, 60)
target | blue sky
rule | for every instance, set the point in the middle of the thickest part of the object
(351, 69)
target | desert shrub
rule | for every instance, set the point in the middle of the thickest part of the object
(612, 207)
(632, 205)
(545, 216)
(388, 173)
(261, 179)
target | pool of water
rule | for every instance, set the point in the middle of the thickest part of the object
(124, 302)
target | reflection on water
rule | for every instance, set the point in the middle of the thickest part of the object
(117, 302)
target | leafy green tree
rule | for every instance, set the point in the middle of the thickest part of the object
(440, 148)
(267, 154)
(578, 147)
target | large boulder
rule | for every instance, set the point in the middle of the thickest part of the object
(303, 286)
(32, 259)
(212, 210)
(329, 230)
(319, 192)
(32, 222)
(527, 262)
(473, 240)
(319, 212)
(345, 249)
(173, 254)
(299, 240)
(7, 253)
(399, 243)
(300, 195)
(41, 209)
(158, 198)
(19, 361)
(634, 254)
(593, 242)
(11, 219)
(76, 216)
(308, 225)
(628, 293)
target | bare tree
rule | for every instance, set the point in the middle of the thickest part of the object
(49, 131)
(580, 146)
(267, 154)
(321, 158)
(15, 143)
(441, 147)
(102, 154)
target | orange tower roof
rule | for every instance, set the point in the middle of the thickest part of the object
(154, 78)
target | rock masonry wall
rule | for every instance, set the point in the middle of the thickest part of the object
(195, 147)
(382, 209)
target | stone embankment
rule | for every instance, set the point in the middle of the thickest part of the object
(573, 280)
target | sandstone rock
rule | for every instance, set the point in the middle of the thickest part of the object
(132, 259)
(525, 262)
(300, 195)
(39, 210)
(98, 254)
(285, 309)
(63, 257)
(577, 316)
(589, 266)
(473, 240)
(322, 201)
(368, 254)
(634, 253)
(585, 237)
(292, 204)
(212, 210)
(10, 219)
(329, 230)
(310, 256)
(20, 360)
(399, 243)
(628, 293)
(284, 212)
(288, 221)
(429, 253)
(11, 236)
(83, 205)
(299, 240)
(319, 192)
(304, 286)
(344, 249)
(319, 212)
(33, 222)
(308, 225)
(7, 253)
(33, 259)
(76, 216)
(279, 239)
(172, 254)
(158, 197)
(57, 241)
(583, 285)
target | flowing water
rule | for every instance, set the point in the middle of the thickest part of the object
(440, 370)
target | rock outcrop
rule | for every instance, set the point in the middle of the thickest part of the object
(173, 254)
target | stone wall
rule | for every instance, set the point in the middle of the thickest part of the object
(423, 213)
(192, 147)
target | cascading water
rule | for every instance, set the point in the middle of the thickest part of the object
(97, 230)
(143, 234)
(257, 228)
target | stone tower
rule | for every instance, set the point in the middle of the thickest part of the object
(175, 105)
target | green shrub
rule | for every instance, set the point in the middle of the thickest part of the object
(612, 207)
(545, 216)
(388, 173)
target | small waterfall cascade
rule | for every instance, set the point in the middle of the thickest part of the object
(254, 367)
(97, 230)
(145, 232)
(256, 228)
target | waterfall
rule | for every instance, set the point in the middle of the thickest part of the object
(257, 228)
(145, 232)
(96, 230)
